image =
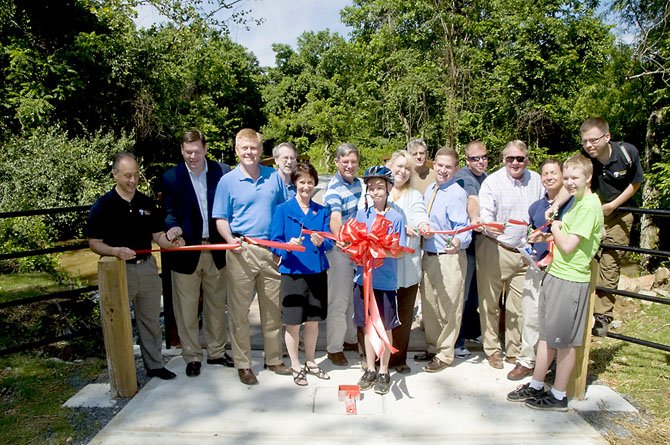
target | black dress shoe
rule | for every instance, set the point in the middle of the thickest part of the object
(279, 369)
(247, 376)
(226, 361)
(424, 356)
(161, 373)
(193, 369)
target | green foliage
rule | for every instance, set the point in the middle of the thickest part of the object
(20, 234)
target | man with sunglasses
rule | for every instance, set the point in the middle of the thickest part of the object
(617, 176)
(471, 178)
(504, 198)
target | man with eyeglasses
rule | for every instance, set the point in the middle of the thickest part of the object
(505, 196)
(617, 176)
(286, 158)
(471, 178)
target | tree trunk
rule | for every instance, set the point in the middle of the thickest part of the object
(649, 231)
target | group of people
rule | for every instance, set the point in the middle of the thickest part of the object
(466, 234)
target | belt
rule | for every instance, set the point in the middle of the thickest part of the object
(204, 241)
(139, 259)
(506, 247)
(435, 253)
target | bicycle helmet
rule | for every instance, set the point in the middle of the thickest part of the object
(378, 171)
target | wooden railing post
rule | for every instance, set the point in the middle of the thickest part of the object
(577, 383)
(116, 326)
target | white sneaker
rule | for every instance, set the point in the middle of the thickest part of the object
(462, 352)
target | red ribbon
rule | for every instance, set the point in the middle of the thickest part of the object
(256, 241)
(327, 235)
(275, 244)
(368, 250)
(466, 228)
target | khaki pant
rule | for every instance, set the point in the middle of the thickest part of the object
(499, 270)
(186, 299)
(617, 231)
(530, 332)
(442, 301)
(249, 271)
(144, 291)
(340, 326)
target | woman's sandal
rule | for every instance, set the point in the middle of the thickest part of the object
(300, 377)
(317, 371)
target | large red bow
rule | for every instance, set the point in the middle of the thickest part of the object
(368, 250)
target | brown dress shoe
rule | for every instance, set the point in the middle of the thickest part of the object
(338, 358)
(279, 369)
(519, 372)
(435, 365)
(495, 360)
(247, 376)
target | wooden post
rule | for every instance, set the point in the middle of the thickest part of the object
(116, 326)
(577, 383)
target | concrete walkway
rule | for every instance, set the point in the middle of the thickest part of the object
(462, 404)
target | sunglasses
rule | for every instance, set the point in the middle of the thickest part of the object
(477, 158)
(519, 159)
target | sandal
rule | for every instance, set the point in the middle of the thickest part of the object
(299, 377)
(317, 371)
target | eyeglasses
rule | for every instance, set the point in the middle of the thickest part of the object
(477, 158)
(593, 141)
(519, 159)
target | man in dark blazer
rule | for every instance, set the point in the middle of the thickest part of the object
(188, 194)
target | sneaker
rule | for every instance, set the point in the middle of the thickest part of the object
(462, 352)
(523, 393)
(601, 325)
(547, 402)
(367, 379)
(383, 383)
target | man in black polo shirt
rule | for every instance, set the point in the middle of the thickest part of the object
(617, 175)
(124, 221)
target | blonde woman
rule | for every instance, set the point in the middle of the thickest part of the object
(409, 202)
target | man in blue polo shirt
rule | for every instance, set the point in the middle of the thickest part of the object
(243, 205)
(341, 196)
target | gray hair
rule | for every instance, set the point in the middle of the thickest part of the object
(275, 151)
(345, 149)
(521, 145)
(120, 157)
(417, 142)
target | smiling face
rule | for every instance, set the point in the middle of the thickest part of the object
(194, 155)
(347, 166)
(286, 160)
(419, 153)
(304, 186)
(575, 180)
(126, 176)
(401, 171)
(552, 178)
(515, 161)
(596, 143)
(248, 150)
(378, 189)
(445, 168)
(477, 159)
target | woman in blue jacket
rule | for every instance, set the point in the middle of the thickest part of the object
(304, 290)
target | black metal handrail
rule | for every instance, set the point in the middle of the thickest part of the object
(50, 211)
(45, 251)
(66, 294)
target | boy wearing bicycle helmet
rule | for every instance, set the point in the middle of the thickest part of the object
(379, 182)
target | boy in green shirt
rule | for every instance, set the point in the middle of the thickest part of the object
(564, 296)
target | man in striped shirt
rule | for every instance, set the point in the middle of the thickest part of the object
(505, 196)
(341, 195)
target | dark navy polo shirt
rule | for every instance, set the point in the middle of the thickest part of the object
(536, 213)
(611, 179)
(119, 223)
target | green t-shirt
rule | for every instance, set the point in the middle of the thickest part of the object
(585, 219)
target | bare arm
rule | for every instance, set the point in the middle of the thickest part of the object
(99, 247)
(617, 202)
(223, 226)
(335, 222)
(567, 243)
(473, 208)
